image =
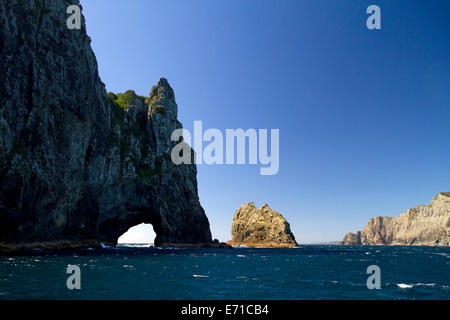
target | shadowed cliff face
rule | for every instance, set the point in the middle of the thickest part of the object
(421, 225)
(78, 165)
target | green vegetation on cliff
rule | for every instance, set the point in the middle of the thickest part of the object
(124, 100)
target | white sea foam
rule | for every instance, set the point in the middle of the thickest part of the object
(426, 284)
(199, 276)
(420, 284)
(138, 245)
(241, 256)
(127, 267)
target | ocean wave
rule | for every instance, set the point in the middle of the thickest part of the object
(199, 276)
(409, 286)
(167, 248)
(426, 284)
(135, 245)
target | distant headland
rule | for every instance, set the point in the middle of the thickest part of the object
(422, 225)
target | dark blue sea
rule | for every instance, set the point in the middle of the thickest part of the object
(307, 272)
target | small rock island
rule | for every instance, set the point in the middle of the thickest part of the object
(263, 227)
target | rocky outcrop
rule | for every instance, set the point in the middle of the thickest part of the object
(77, 165)
(260, 228)
(421, 225)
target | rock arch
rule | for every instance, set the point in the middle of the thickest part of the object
(77, 165)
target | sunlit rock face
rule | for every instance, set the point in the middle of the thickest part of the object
(79, 166)
(421, 225)
(260, 227)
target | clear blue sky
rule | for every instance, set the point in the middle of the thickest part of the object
(364, 116)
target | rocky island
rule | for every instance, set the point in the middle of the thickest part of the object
(422, 225)
(262, 227)
(78, 166)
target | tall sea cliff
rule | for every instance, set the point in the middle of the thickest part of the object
(421, 225)
(79, 166)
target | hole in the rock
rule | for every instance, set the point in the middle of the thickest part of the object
(140, 234)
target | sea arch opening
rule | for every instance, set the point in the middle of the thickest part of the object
(142, 233)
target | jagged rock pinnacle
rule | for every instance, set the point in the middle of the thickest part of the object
(260, 227)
